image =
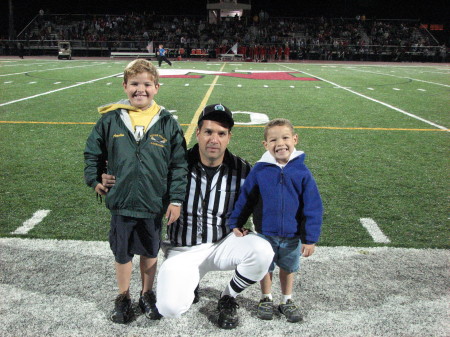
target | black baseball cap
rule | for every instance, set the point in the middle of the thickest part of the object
(218, 113)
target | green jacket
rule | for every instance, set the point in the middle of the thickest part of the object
(149, 173)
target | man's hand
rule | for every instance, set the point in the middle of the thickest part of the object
(101, 189)
(308, 250)
(108, 180)
(240, 231)
(172, 214)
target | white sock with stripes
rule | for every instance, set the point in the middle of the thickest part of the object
(237, 284)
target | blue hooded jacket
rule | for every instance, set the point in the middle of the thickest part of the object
(285, 201)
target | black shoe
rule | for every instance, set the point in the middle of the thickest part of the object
(123, 312)
(228, 318)
(147, 303)
(291, 311)
(196, 295)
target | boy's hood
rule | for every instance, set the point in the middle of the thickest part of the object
(122, 104)
(268, 158)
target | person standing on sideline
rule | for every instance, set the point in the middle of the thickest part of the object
(161, 54)
(289, 216)
(141, 146)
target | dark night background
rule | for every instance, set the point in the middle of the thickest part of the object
(434, 11)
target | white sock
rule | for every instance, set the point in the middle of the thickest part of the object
(228, 291)
(285, 298)
(269, 296)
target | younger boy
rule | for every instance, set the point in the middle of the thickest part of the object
(142, 146)
(290, 212)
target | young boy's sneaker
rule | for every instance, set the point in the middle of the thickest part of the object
(265, 309)
(228, 317)
(291, 311)
(147, 303)
(123, 312)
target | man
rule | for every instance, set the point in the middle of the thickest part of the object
(201, 240)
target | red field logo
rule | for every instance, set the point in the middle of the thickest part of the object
(251, 75)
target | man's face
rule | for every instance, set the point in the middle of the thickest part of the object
(212, 140)
(140, 90)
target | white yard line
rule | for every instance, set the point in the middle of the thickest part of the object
(374, 231)
(32, 222)
(53, 91)
(41, 70)
(374, 100)
(408, 78)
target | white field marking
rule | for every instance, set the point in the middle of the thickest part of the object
(265, 86)
(39, 71)
(408, 78)
(60, 89)
(239, 85)
(261, 71)
(193, 124)
(23, 64)
(379, 102)
(28, 225)
(186, 85)
(7, 82)
(370, 89)
(317, 87)
(32, 82)
(421, 89)
(374, 231)
(57, 83)
(396, 89)
(291, 86)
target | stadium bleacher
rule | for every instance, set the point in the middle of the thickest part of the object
(273, 39)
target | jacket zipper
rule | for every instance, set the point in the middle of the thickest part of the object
(282, 201)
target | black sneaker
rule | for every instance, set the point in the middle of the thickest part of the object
(196, 295)
(291, 311)
(265, 309)
(228, 318)
(123, 312)
(147, 303)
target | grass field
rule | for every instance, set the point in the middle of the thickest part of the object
(376, 138)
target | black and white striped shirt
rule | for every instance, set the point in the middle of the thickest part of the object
(209, 200)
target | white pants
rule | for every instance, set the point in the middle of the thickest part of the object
(184, 267)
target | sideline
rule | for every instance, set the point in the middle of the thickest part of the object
(66, 287)
(375, 100)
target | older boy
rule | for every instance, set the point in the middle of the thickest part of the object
(291, 209)
(144, 148)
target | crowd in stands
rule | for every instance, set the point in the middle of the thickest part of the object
(260, 37)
